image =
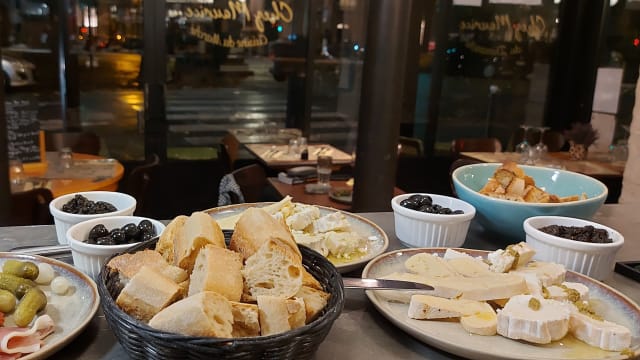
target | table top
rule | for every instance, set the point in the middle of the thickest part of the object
(360, 332)
(269, 136)
(595, 164)
(276, 156)
(296, 191)
(105, 175)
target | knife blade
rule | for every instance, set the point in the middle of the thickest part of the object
(383, 284)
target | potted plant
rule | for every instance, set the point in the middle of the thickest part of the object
(580, 136)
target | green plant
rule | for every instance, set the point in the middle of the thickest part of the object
(581, 133)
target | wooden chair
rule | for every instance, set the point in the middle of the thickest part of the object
(229, 148)
(79, 142)
(138, 184)
(409, 146)
(31, 208)
(252, 181)
(476, 144)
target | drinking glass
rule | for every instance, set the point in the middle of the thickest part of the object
(16, 171)
(541, 149)
(66, 157)
(523, 148)
(324, 171)
(294, 148)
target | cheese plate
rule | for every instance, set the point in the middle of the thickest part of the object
(451, 337)
(377, 240)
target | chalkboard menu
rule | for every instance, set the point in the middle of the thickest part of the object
(23, 130)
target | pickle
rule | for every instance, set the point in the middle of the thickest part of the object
(17, 285)
(7, 301)
(32, 302)
(23, 269)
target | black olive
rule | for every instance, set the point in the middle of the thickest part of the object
(98, 231)
(145, 226)
(105, 240)
(81, 205)
(131, 231)
(426, 208)
(146, 236)
(409, 204)
(118, 236)
(457, 212)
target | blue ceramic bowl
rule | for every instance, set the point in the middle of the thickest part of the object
(505, 217)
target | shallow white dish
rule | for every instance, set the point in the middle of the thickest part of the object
(451, 337)
(378, 240)
(71, 313)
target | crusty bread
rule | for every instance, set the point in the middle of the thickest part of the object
(309, 280)
(314, 301)
(198, 230)
(255, 227)
(217, 269)
(204, 314)
(273, 270)
(168, 236)
(147, 293)
(127, 265)
(279, 315)
(246, 320)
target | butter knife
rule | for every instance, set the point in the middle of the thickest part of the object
(383, 284)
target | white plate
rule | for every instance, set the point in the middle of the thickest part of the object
(71, 313)
(451, 337)
(378, 240)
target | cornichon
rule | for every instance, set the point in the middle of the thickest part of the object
(17, 285)
(32, 302)
(7, 301)
(23, 269)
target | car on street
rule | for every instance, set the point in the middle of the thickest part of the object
(17, 72)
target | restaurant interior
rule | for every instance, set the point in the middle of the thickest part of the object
(354, 106)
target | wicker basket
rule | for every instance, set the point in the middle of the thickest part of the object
(143, 342)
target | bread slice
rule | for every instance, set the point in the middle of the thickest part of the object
(127, 265)
(165, 244)
(204, 314)
(199, 230)
(255, 227)
(278, 315)
(217, 269)
(273, 270)
(246, 321)
(147, 293)
(309, 280)
(314, 301)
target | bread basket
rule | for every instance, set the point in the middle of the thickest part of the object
(141, 341)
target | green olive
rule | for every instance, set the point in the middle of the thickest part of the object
(23, 269)
(7, 301)
(32, 302)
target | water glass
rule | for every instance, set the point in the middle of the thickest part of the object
(294, 148)
(66, 157)
(16, 171)
(324, 171)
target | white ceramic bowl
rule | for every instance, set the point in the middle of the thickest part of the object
(90, 258)
(594, 260)
(126, 205)
(419, 229)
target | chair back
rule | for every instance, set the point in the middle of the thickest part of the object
(252, 181)
(79, 142)
(229, 148)
(409, 146)
(31, 207)
(490, 144)
(138, 184)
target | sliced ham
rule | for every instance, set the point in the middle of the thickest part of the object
(16, 340)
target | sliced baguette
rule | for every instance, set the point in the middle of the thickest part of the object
(217, 269)
(204, 314)
(198, 230)
(278, 314)
(255, 227)
(314, 301)
(127, 265)
(273, 270)
(168, 236)
(147, 293)
(246, 321)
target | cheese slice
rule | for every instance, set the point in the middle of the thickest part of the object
(303, 216)
(548, 273)
(550, 322)
(513, 256)
(475, 316)
(469, 267)
(600, 333)
(568, 291)
(429, 265)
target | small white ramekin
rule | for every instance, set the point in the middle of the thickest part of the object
(419, 229)
(90, 258)
(126, 205)
(594, 260)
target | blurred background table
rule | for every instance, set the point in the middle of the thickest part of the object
(89, 173)
(276, 156)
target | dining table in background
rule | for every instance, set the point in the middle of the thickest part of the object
(360, 332)
(277, 157)
(265, 135)
(88, 173)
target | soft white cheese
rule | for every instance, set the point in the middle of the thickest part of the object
(548, 273)
(331, 222)
(550, 322)
(345, 244)
(303, 216)
(313, 241)
(477, 317)
(600, 333)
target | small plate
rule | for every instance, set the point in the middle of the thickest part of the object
(341, 194)
(378, 240)
(70, 313)
(451, 337)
